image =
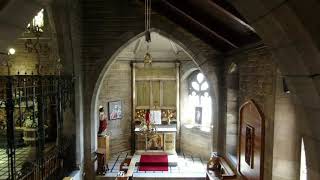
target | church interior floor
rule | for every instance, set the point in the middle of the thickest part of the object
(188, 167)
(24, 155)
(21, 155)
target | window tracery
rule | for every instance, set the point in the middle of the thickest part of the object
(200, 100)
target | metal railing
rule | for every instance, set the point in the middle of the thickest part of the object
(29, 107)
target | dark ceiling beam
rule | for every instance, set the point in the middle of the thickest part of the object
(213, 33)
(229, 15)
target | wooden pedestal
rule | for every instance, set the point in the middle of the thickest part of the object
(103, 154)
(103, 146)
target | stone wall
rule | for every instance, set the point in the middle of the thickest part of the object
(65, 21)
(287, 142)
(193, 140)
(260, 81)
(292, 35)
(257, 77)
(117, 86)
(232, 111)
(196, 142)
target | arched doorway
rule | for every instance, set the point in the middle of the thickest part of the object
(118, 68)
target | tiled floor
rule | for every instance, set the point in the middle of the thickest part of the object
(188, 166)
(22, 154)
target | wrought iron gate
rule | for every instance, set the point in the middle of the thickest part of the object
(31, 125)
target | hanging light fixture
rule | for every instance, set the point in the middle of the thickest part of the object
(147, 57)
(36, 27)
(37, 24)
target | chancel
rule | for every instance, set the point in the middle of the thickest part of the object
(159, 89)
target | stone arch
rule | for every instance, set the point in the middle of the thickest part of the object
(187, 73)
(212, 76)
(280, 24)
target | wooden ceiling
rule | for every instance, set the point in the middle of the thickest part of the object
(3, 3)
(214, 21)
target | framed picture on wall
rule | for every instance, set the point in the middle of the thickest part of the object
(198, 115)
(115, 110)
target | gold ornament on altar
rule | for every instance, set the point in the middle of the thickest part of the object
(169, 115)
(139, 116)
(147, 128)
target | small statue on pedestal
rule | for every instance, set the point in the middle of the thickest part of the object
(103, 121)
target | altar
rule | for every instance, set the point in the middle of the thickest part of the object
(163, 140)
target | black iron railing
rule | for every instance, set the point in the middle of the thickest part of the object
(31, 124)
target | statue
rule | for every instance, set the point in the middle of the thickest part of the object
(103, 121)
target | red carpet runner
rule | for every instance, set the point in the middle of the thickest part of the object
(153, 163)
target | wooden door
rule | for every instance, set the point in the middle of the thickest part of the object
(251, 140)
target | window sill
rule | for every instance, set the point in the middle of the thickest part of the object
(196, 127)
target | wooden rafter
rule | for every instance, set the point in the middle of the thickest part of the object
(230, 15)
(204, 27)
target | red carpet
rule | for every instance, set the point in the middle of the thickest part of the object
(153, 163)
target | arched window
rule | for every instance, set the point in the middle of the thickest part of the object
(303, 163)
(199, 99)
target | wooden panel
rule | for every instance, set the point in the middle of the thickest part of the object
(140, 142)
(156, 93)
(143, 93)
(170, 142)
(155, 73)
(251, 140)
(169, 93)
(103, 145)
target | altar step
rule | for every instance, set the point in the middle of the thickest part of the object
(160, 176)
(176, 176)
(190, 167)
